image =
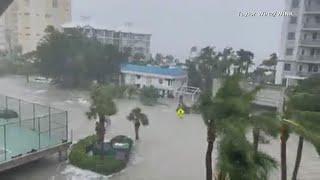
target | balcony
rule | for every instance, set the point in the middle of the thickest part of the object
(312, 6)
(309, 59)
(310, 42)
(306, 74)
(313, 10)
(311, 26)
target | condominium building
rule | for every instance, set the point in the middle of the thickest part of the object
(300, 48)
(24, 22)
(125, 37)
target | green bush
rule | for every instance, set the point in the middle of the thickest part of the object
(149, 96)
(79, 157)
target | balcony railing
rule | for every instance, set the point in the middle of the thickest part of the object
(310, 42)
(310, 58)
(312, 25)
(313, 8)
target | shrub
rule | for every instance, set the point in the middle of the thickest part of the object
(79, 157)
(149, 96)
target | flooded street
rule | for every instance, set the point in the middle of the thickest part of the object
(169, 149)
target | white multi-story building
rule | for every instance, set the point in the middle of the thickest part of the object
(24, 22)
(124, 37)
(300, 48)
(166, 80)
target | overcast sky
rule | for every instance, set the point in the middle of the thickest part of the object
(177, 25)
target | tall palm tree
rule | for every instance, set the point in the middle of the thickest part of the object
(227, 115)
(206, 108)
(102, 106)
(138, 118)
(266, 122)
(304, 109)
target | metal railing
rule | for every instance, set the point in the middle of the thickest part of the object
(35, 128)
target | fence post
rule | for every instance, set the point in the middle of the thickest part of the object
(67, 126)
(34, 116)
(49, 122)
(20, 112)
(39, 133)
(5, 141)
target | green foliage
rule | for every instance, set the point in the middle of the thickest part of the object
(102, 102)
(211, 64)
(79, 157)
(149, 96)
(137, 117)
(228, 114)
(70, 57)
(303, 109)
(238, 160)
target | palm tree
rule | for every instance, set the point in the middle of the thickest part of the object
(266, 122)
(138, 118)
(227, 115)
(304, 109)
(206, 106)
(245, 60)
(102, 106)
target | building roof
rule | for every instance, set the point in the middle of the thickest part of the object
(123, 28)
(153, 70)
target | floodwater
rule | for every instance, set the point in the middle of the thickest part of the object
(169, 149)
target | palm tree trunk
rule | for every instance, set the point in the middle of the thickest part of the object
(284, 138)
(298, 158)
(256, 135)
(101, 134)
(136, 128)
(211, 138)
(209, 160)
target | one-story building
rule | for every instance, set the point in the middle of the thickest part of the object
(166, 80)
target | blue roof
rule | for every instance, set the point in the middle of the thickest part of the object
(176, 71)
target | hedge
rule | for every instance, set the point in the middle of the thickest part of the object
(79, 157)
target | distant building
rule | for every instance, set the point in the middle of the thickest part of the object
(23, 23)
(300, 49)
(167, 80)
(125, 37)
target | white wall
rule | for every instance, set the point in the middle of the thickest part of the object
(132, 79)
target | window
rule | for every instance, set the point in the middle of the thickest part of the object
(305, 36)
(302, 52)
(138, 76)
(289, 51)
(315, 68)
(291, 36)
(295, 3)
(160, 81)
(287, 67)
(312, 52)
(310, 68)
(317, 18)
(300, 68)
(27, 14)
(314, 35)
(55, 3)
(293, 20)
